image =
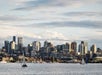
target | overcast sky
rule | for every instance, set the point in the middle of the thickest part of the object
(52, 19)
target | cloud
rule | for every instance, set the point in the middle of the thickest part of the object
(29, 5)
(8, 18)
(14, 18)
(99, 31)
(32, 4)
(70, 19)
(82, 24)
(88, 14)
(30, 37)
(48, 35)
(51, 14)
(19, 31)
(53, 35)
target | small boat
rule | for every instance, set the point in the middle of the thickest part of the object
(24, 65)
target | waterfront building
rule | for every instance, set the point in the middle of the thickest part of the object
(7, 46)
(83, 48)
(30, 49)
(13, 45)
(74, 47)
(70, 48)
(20, 43)
(79, 48)
(25, 50)
(93, 49)
(66, 47)
(35, 48)
(58, 47)
(46, 44)
(36, 45)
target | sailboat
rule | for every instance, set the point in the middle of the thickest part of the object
(82, 61)
(24, 64)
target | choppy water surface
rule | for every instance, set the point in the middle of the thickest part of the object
(50, 69)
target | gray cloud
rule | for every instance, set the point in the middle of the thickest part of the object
(14, 18)
(29, 5)
(8, 18)
(38, 3)
(83, 24)
(83, 14)
(86, 24)
(100, 31)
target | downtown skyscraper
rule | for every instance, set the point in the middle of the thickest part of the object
(83, 48)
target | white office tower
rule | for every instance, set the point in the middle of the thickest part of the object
(93, 49)
(13, 45)
(83, 48)
(36, 45)
(70, 47)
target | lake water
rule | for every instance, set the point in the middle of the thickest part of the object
(50, 69)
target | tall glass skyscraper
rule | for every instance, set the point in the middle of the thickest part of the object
(20, 43)
(14, 39)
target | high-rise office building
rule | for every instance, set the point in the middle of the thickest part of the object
(13, 45)
(93, 49)
(35, 48)
(30, 49)
(70, 47)
(79, 49)
(74, 46)
(66, 47)
(7, 46)
(46, 44)
(36, 45)
(20, 40)
(20, 43)
(14, 39)
(83, 48)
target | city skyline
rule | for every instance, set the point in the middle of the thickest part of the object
(52, 19)
(53, 41)
(19, 41)
(12, 51)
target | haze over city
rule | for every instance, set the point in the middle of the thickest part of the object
(73, 20)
